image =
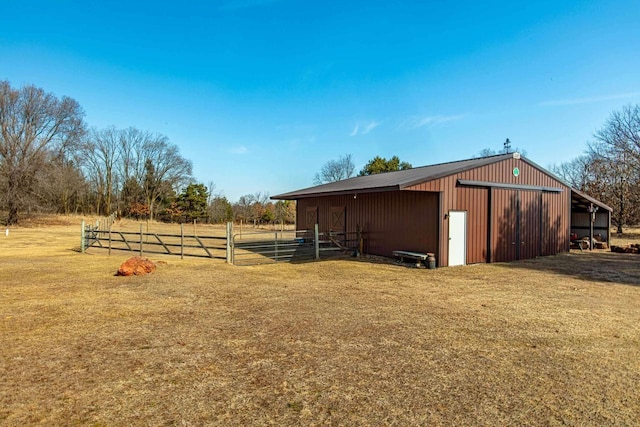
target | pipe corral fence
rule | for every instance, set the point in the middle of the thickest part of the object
(248, 248)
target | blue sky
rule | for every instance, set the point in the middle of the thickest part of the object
(259, 94)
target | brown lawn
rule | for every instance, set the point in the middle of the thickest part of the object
(341, 342)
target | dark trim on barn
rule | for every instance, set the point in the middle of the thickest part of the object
(342, 193)
(487, 184)
(581, 227)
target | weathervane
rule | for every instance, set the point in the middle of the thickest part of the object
(507, 146)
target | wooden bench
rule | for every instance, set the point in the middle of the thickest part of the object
(417, 256)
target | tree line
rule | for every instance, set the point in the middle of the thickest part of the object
(50, 161)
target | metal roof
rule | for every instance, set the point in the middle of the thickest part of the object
(390, 181)
(399, 180)
(582, 200)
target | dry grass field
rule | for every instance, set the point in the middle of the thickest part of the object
(551, 341)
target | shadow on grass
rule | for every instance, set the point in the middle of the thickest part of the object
(596, 266)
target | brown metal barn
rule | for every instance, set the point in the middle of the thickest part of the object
(489, 209)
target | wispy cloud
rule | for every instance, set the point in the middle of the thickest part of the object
(240, 149)
(416, 122)
(588, 100)
(296, 143)
(364, 128)
(243, 4)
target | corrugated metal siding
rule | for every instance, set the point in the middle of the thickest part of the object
(390, 220)
(474, 201)
(530, 224)
(503, 225)
(580, 224)
(556, 216)
(548, 234)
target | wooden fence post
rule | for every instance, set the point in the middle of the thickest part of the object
(229, 239)
(82, 238)
(275, 257)
(316, 241)
(181, 240)
(140, 239)
(109, 239)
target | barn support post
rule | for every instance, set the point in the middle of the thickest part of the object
(82, 238)
(568, 237)
(316, 241)
(592, 219)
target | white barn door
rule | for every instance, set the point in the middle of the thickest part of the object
(457, 238)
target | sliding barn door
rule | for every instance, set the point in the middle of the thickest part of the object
(516, 225)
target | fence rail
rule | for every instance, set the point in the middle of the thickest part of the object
(261, 248)
(155, 243)
(236, 248)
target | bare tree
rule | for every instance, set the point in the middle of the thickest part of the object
(166, 171)
(32, 124)
(251, 207)
(285, 211)
(132, 146)
(579, 172)
(61, 187)
(242, 209)
(616, 150)
(101, 153)
(620, 134)
(616, 184)
(605, 175)
(130, 166)
(336, 170)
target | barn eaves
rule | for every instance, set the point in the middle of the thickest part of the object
(392, 181)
